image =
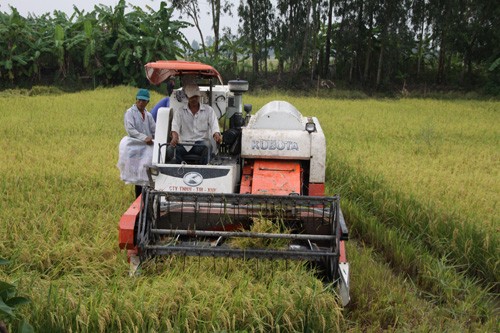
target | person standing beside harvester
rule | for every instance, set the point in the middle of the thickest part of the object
(136, 149)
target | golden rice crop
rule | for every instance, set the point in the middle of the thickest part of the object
(445, 153)
(263, 225)
(62, 199)
(61, 203)
(419, 163)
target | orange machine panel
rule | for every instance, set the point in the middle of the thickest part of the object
(127, 223)
(246, 178)
(276, 177)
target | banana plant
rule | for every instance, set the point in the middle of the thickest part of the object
(62, 27)
(108, 44)
(41, 46)
(14, 51)
(83, 41)
(145, 37)
(234, 49)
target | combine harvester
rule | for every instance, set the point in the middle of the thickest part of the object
(270, 165)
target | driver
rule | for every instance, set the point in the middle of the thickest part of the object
(194, 123)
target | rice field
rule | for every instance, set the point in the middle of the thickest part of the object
(419, 185)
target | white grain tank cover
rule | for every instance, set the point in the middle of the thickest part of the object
(278, 115)
(276, 131)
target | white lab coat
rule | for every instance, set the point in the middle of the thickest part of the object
(135, 155)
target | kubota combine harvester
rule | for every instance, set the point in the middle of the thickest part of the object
(270, 165)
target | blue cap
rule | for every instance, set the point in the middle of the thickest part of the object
(143, 94)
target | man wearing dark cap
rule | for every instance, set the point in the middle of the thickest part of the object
(194, 123)
(139, 125)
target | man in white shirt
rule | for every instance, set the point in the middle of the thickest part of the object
(194, 123)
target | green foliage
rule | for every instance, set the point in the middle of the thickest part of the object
(108, 45)
(9, 301)
(393, 46)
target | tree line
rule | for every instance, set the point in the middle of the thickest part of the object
(376, 43)
(363, 43)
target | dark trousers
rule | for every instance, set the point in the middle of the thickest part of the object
(200, 148)
(138, 190)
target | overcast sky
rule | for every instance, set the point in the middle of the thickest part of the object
(39, 7)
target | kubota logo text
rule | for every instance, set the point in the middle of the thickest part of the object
(274, 145)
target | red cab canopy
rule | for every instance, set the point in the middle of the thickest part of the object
(161, 70)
